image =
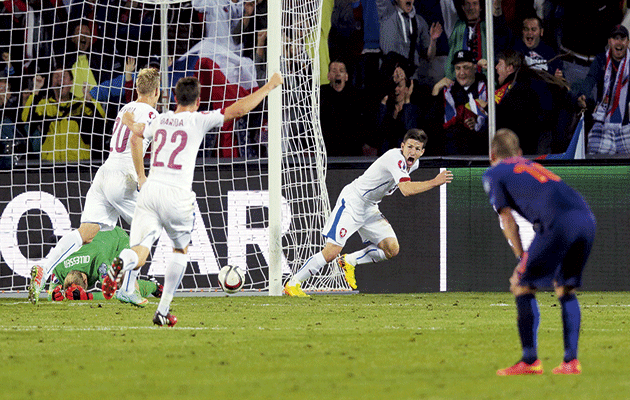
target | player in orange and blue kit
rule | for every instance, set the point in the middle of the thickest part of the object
(565, 230)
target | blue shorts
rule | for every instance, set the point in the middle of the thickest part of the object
(559, 253)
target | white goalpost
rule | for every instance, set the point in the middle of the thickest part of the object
(260, 182)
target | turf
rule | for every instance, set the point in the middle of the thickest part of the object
(416, 346)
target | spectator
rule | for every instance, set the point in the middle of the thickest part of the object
(461, 105)
(341, 112)
(533, 104)
(609, 72)
(443, 12)
(406, 33)
(469, 32)
(11, 134)
(66, 122)
(104, 18)
(538, 55)
(396, 113)
(87, 63)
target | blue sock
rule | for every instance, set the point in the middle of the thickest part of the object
(571, 318)
(528, 318)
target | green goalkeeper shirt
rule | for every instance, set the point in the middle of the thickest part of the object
(93, 258)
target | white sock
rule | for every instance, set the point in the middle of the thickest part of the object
(173, 277)
(310, 268)
(68, 244)
(129, 258)
(370, 254)
(129, 281)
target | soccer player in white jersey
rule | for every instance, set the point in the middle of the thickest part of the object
(357, 211)
(166, 200)
(113, 192)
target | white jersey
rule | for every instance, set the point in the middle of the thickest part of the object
(382, 177)
(177, 137)
(120, 148)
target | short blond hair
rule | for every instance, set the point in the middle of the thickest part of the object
(505, 144)
(74, 277)
(147, 81)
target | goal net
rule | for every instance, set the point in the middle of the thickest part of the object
(67, 69)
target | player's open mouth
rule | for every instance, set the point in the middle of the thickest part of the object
(410, 161)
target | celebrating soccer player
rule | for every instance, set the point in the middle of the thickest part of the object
(166, 200)
(357, 210)
(565, 229)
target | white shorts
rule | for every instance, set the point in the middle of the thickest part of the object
(113, 194)
(352, 214)
(163, 207)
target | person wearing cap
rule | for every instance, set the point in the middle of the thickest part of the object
(609, 72)
(460, 105)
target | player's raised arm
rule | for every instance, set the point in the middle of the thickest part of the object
(409, 188)
(248, 103)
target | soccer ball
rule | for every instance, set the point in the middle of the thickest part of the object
(231, 279)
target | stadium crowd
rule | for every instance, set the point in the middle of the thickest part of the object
(68, 66)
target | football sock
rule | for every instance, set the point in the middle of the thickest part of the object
(571, 318)
(528, 318)
(68, 244)
(129, 281)
(310, 268)
(129, 258)
(173, 277)
(370, 254)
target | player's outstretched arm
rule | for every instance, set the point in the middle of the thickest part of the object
(410, 188)
(248, 103)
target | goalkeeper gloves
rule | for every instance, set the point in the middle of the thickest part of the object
(57, 294)
(76, 292)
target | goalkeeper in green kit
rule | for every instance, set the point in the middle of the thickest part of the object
(81, 270)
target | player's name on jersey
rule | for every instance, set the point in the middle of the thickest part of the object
(72, 261)
(172, 121)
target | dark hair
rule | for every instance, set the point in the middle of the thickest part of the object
(187, 90)
(513, 58)
(535, 17)
(416, 134)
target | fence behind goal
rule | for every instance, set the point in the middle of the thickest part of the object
(69, 69)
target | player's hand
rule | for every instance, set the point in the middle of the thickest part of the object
(515, 279)
(57, 294)
(76, 292)
(275, 80)
(443, 177)
(141, 181)
(470, 123)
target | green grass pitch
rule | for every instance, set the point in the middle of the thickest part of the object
(412, 346)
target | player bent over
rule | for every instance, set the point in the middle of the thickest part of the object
(357, 211)
(565, 230)
(166, 201)
(114, 190)
(83, 268)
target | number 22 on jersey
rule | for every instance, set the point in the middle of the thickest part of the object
(160, 139)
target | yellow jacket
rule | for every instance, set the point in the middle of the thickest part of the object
(61, 126)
